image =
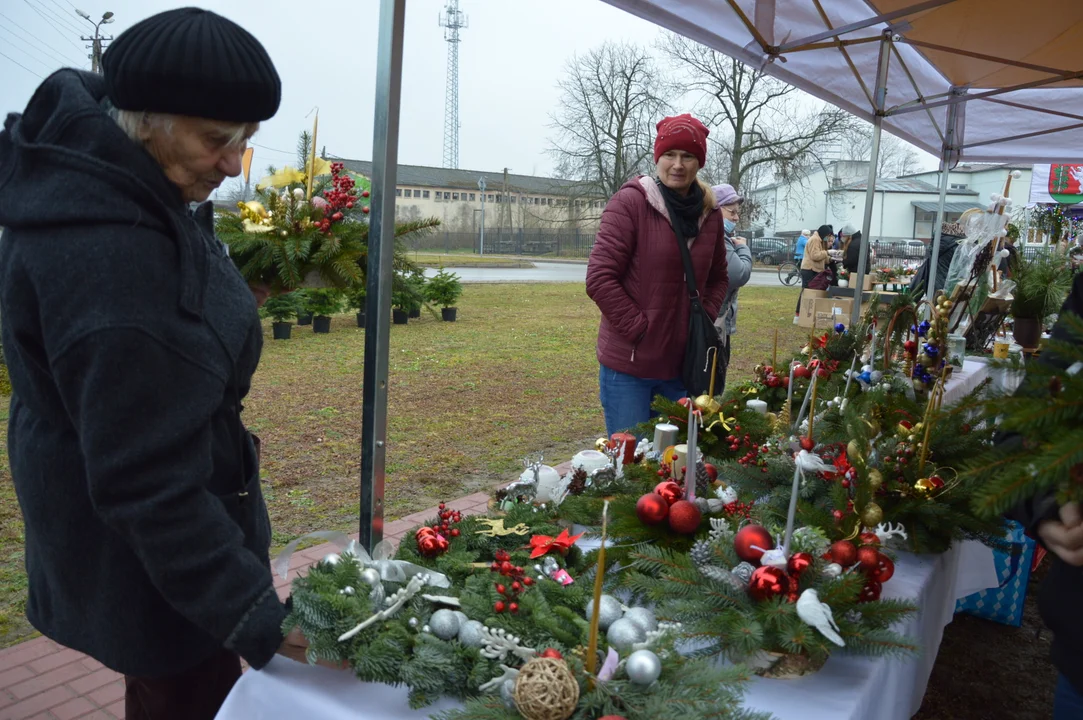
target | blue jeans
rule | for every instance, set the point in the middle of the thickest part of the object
(1067, 701)
(626, 399)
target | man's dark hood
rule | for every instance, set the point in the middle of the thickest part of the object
(66, 161)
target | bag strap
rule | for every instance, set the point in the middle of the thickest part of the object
(686, 255)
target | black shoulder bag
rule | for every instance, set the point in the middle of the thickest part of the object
(703, 347)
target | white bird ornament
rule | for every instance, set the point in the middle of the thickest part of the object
(818, 615)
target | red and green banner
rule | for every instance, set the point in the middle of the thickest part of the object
(1066, 183)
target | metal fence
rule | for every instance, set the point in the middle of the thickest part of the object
(523, 241)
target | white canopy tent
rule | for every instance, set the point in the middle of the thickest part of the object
(984, 80)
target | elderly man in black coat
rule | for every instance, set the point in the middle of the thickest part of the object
(131, 340)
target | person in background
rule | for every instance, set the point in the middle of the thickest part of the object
(131, 340)
(851, 251)
(799, 249)
(739, 262)
(950, 235)
(1060, 529)
(814, 262)
(636, 275)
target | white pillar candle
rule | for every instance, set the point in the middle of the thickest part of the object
(681, 461)
(548, 484)
(590, 460)
(665, 434)
(758, 405)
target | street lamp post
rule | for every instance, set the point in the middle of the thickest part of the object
(481, 187)
(96, 41)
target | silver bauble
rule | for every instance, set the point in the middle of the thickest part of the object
(461, 615)
(426, 629)
(331, 559)
(643, 617)
(470, 634)
(623, 634)
(643, 667)
(370, 576)
(507, 694)
(832, 570)
(444, 624)
(412, 622)
(610, 610)
(743, 571)
(347, 591)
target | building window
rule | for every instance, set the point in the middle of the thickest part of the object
(549, 201)
(958, 186)
(398, 192)
(471, 197)
(454, 196)
(498, 198)
(426, 193)
(407, 193)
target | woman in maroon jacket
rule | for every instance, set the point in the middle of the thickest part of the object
(636, 275)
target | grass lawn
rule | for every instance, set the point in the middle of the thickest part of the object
(468, 259)
(515, 375)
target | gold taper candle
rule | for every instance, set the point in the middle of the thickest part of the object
(599, 578)
(774, 350)
(312, 157)
(714, 370)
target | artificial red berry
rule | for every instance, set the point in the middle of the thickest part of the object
(499, 606)
(514, 607)
(501, 589)
(455, 532)
(528, 581)
(516, 586)
(505, 567)
(837, 514)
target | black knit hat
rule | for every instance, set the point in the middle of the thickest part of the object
(192, 62)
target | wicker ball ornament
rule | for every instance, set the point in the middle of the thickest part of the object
(546, 689)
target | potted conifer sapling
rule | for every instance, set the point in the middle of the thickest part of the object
(356, 299)
(1041, 284)
(280, 308)
(304, 313)
(400, 304)
(445, 289)
(324, 302)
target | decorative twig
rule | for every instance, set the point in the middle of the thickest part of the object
(496, 682)
(394, 604)
(497, 643)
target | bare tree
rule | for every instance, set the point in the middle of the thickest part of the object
(611, 99)
(897, 157)
(760, 125)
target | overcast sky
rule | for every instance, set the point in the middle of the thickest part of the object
(510, 60)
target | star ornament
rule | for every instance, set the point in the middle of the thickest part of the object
(544, 544)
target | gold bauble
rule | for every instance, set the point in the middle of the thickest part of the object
(918, 427)
(601, 444)
(853, 451)
(875, 479)
(919, 385)
(874, 428)
(903, 431)
(924, 360)
(924, 486)
(707, 404)
(284, 233)
(872, 515)
(948, 304)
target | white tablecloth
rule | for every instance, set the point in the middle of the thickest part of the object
(965, 380)
(847, 688)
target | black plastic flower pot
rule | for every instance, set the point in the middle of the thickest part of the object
(449, 314)
(281, 330)
(304, 319)
(399, 317)
(415, 312)
(1027, 332)
(321, 324)
(361, 319)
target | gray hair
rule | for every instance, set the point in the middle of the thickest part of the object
(806, 233)
(133, 122)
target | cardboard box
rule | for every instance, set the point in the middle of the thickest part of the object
(830, 311)
(807, 314)
(868, 282)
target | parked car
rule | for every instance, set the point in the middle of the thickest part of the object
(900, 249)
(770, 250)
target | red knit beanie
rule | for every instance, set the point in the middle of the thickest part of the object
(682, 132)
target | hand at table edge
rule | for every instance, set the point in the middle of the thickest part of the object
(1064, 536)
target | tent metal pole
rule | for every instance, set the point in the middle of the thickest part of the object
(879, 100)
(381, 242)
(946, 161)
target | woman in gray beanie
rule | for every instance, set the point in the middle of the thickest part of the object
(131, 340)
(739, 262)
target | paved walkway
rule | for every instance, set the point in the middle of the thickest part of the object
(40, 680)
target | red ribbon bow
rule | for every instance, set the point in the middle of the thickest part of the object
(543, 544)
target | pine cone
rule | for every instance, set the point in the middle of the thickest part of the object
(713, 572)
(578, 482)
(703, 481)
(702, 553)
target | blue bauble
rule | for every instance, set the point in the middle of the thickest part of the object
(840, 328)
(931, 350)
(865, 377)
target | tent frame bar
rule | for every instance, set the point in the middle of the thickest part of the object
(859, 25)
(385, 158)
(922, 104)
(879, 97)
(1063, 74)
(948, 155)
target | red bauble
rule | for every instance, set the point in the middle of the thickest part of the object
(455, 532)
(551, 653)
(365, 193)
(684, 517)
(869, 538)
(670, 491)
(871, 591)
(869, 558)
(884, 570)
(773, 381)
(823, 373)
(365, 210)
(799, 563)
(652, 509)
(807, 444)
(712, 471)
(768, 582)
(749, 536)
(684, 402)
(844, 553)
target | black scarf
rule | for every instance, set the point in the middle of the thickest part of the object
(684, 210)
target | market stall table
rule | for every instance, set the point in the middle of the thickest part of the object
(847, 688)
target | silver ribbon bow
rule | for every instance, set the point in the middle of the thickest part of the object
(390, 570)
